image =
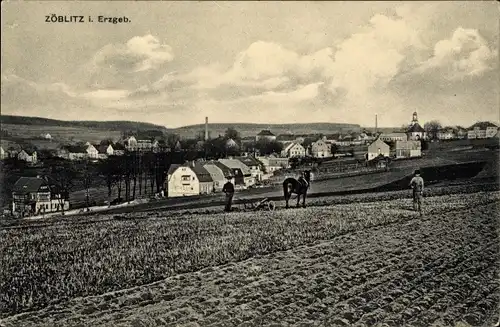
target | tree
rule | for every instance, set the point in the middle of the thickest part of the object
(266, 147)
(63, 175)
(232, 133)
(87, 176)
(334, 148)
(432, 128)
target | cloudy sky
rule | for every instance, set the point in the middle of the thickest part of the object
(270, 62)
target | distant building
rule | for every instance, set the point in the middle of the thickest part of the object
(293, 150)
(217, 174)
(446, 134)
(35, 196)
(378, 148)
(321, 149)
(393, 137)
(73, 152)
(239, 167)
(482, 130)
(408, 149)
(27, 155)
(265, 135)
(254, 165)
(4, 154)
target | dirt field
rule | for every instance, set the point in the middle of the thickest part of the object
(437, 270)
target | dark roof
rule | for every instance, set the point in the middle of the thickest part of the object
(483, 125)
(75, 148)
(28, 184)
(101, 148)
(265, 132)
(172, 168)
(29, 151)
(416, 128)
(202, 174)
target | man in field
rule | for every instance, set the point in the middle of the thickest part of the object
(417, 184)
(229, 190)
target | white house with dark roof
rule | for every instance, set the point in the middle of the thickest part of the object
(254, 165)
(188, 180)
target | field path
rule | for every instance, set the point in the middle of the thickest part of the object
(438, 270)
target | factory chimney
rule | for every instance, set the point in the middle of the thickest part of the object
(206, 128)
(376, 125)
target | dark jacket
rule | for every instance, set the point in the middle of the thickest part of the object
(228, 188)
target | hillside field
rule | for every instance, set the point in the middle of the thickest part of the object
(352, 264)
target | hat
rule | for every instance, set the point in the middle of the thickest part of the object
(417, 172)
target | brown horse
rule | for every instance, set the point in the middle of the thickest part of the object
(292, 185)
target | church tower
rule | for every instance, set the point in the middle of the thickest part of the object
(414, 119)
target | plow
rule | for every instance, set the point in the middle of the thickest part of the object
(264, 204)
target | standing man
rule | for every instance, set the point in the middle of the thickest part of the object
(417, 184)
(229, 190)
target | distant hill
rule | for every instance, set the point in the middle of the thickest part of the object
(110, 125)
(248, 129)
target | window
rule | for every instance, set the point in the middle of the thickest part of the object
(185, 178)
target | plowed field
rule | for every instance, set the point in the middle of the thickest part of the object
(358, 264)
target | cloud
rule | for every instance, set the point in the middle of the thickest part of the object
(126, 65)
(136, 55)
(466, 53)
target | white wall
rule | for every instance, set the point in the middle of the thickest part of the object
(179, 187)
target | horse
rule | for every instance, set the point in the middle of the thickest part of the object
(292, 185)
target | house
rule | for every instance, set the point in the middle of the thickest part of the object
(446, 134)
(377, 148)
(3, 153)
(265, 134)
(228, 172)
(240, 171)
(393, 137)
(188, 180)
(272, 163)
(28, 156)
(408, 149)
(130, 143)
(34, 196)
(293, 150)
(321, 149)
(481, 130)
(73, 152)
(47, 136)
(92, 151)
(254, 165)
(231, 144)
(218, 177)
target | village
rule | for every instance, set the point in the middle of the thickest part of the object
(198, 167)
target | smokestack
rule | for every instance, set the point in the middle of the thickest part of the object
(376, 124)
(206, 128)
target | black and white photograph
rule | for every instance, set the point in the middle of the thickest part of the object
(250, 163)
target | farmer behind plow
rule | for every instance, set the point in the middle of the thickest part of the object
(229, 190)
(417, 184)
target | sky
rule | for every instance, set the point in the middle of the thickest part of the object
(175, 63)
